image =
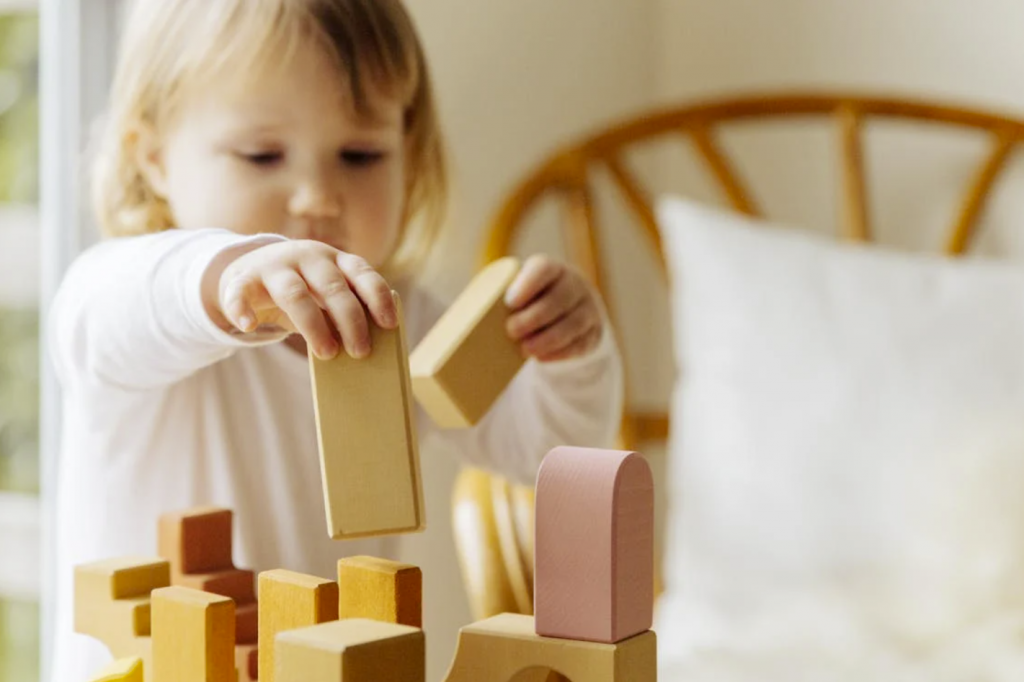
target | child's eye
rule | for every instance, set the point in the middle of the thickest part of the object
(361, 158)
(261, 158)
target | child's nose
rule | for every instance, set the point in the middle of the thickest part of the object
(316, 200)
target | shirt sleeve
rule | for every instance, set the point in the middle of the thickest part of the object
(569, 402)
(129, 313)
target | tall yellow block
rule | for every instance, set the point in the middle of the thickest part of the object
(289, 600)
(382, 590)
(193, 636)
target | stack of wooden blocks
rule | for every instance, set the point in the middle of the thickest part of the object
(191, 616)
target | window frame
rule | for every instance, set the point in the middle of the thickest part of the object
(77, 50)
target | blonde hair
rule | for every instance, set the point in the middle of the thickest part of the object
(171, 46)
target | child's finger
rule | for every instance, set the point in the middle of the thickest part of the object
(346, 312)
(537, 274)
(564, 295)
(292, 296)
(561, 334)
(580, 346)
(371, 288)
(236, 303)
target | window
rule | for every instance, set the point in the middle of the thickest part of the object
(19, 342)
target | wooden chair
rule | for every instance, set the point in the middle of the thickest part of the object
(493, 520)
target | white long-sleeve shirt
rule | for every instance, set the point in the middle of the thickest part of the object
(163, 411)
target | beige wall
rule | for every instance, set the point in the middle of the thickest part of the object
(514, 78)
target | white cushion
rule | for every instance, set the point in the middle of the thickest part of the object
(847, 459)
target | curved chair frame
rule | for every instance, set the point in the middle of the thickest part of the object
(496, 556)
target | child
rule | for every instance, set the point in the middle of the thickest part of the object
(269, 168)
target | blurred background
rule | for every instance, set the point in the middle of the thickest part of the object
(516, 78)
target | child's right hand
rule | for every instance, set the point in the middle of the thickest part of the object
(310, 288)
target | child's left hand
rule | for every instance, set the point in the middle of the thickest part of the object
(555, 314)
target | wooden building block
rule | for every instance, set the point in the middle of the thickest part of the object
(381, 590)
(193, 636)
(122, 670)
(246, 623)
(503, 647)
(289, 600)
(467, 359)
(112, 604)
(354, 650)
(197, 540)
(368, 448)
(247, 658)
(594, 576)
(236, 583)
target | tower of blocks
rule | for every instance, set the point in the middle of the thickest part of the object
(594, 600)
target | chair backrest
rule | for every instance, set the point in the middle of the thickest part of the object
(568, 175)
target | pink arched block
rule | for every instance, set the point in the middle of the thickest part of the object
(594, 561)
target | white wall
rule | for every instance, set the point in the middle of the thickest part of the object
(962, 51)
(514, 77)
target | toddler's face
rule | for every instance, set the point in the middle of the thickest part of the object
(287, 156)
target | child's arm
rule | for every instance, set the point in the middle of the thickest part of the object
(569, 393)
(144, 312)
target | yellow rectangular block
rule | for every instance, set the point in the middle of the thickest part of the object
(380, 590)
(467, 359)
(193, 636)
(289, 600)
(122, 670)
(369, 454)
(112, 604)
(353, 650)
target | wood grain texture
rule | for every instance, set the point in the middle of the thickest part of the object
(381, 590)
(505, 646)
(595, 545)
(193, 636)
(289, 600)
(467, 359)
(369, 454)
(197, 540)
(121, 670)
(113, 604)
(354, 650)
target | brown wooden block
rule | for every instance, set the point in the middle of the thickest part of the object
(467, 359)
(193, 636)
(289, 600)
(503, 647)
(246, 623)
(594, 545)
(354, 650)
(381, 590)
(238, 584)
(122, 670)
(247, 658)
(368, 448)
(112, 604)
(197, 540)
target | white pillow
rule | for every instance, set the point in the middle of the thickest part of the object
(847, 458)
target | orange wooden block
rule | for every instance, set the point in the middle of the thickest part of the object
(289, 600)
(238, 584)
(594, 577)
(247, 623)
(193, 636)
(467, 359)
(197, 540)
(247, 657)
(381, 590)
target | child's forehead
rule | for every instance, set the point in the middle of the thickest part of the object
(295, 90)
